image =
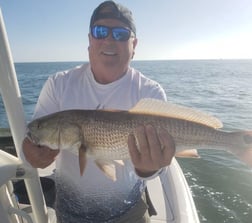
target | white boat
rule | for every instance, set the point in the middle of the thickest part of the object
(169, 193)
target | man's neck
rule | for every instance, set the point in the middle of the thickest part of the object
(108, 76)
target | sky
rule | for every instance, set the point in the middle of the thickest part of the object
(57, 30)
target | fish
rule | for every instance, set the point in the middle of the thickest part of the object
(103, 134)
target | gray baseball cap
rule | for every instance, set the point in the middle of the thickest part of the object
(113, 10)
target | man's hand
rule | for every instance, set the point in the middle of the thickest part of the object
(38, 156)
(150, 150)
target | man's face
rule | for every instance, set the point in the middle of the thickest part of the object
(108, 54)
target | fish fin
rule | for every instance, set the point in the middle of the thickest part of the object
(120, 162)
(82, 159)
(161, 108)
(189, 153)
(107, 168)
(243, 146)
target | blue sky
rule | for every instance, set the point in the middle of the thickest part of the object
(56, 30)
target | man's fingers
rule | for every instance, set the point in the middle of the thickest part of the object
(133, 150)
(168, 145)
(143, 144)
(38, 156)
(154, 146)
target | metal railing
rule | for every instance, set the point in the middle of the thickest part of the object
(11, 96)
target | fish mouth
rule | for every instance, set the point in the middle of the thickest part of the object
(32, 138)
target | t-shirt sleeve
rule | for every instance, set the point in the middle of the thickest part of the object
(153, 90)
(48, 101)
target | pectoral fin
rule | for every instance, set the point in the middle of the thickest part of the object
(107, 168)
(82, 159)
(120, 162)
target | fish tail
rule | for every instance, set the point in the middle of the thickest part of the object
(242, 140)
(244, 150)
(82, 159)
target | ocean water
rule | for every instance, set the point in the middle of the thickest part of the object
(221, 185)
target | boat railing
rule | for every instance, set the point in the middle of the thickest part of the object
(10, 93)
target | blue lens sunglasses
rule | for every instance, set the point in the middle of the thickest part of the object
(118, 33)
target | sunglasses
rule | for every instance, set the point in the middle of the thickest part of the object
(118, 33)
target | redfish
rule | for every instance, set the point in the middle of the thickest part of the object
(103, 134)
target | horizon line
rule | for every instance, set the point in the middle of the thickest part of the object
(136, 60)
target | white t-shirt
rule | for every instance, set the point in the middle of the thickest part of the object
(93, 197)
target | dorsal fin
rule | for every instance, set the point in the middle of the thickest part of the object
(167, 109)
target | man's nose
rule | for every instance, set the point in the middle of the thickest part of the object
(110, 36)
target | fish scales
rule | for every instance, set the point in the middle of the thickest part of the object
(110, 137)
(105, 133)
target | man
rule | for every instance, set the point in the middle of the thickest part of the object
(107, 81)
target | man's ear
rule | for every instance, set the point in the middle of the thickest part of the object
(135, 42)
(134, 46)
(89, 40)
